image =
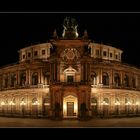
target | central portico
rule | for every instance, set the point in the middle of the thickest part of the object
(70, 97)
(70, 106)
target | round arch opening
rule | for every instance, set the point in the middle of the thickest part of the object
(70, 106)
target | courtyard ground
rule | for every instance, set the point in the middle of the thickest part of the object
(26, 122)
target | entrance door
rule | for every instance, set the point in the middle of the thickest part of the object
(70, 108)
(69, 79)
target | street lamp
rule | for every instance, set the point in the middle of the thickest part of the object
(36, 103)
(11, 104)
(23, 105)
(117, 104)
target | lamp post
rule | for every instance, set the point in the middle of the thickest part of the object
(2, 104)
(22, 104)
(11, 104)
(36, 103)
(117, 104)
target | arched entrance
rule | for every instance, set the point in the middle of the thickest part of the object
(70, 75)
(70, 106)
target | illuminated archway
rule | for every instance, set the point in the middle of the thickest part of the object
(70, 106)
(70, 75)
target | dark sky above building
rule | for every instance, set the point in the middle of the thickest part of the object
(19, 30)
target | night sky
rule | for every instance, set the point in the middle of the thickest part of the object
(19, 30)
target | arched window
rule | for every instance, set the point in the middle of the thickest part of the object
(22, 99)
(14, 100)
(126, 81)
(35, 78)
(35, 101)
(133, 82)
(117, 100)
(117, 79)
(126, 100)
(93, 78)
(93, 101)
(105, 79)
(106, 100)
(22, 79)
(46, 100)
(6, 101)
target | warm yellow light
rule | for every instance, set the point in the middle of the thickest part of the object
(46, 103)
(104, 103)
(11, 103)
(64, 106)
(35, 103)
(117, 103)
(22, 103)
(137, 103)
(2, 103)
(128, 103)
(75, 107)
(93, 104)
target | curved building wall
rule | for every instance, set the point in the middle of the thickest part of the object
(75, 70)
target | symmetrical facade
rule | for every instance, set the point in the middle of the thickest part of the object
(69, 74)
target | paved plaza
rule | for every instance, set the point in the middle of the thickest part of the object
(26, 122)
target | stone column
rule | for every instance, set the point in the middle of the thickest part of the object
(55, 71)
(58, 71)
(130, 80)
(88, 71)
(52, 73)
(54, 78)
(41, 76)
(82, 72)
(100, 76)
(18, 77)
(29, 75)
(121, 78)
(91, 51)
(112, 77)
(38, 76)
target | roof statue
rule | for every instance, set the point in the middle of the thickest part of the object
(70, 28)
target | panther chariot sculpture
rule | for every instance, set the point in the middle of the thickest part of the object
(70, 28)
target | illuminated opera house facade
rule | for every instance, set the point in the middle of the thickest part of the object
(69, 75)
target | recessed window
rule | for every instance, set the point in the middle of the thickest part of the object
(104, 53)
(43, 52)
(110, 54)
(97, 52)
(23, 56)
(116, 56)
(35, 53)
(29, 54)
